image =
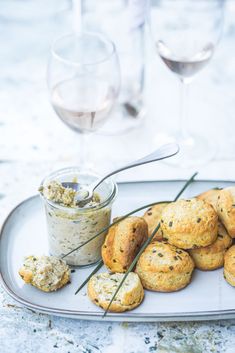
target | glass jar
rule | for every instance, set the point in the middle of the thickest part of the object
(70, 227)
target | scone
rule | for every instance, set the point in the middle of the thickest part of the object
(211, 196)
(226, 209)
(212, 256)
(189, 224)
(153, 217)
(102, 287)
(47, 273)
(229, 266)
(123, 242)
(164, 268)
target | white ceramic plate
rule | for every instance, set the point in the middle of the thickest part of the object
(24, 233)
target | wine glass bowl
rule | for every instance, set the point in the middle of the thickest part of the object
(186, 33)
(83, 79)
(185, 67)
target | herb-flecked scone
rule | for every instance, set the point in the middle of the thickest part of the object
(211, 257)
(226, 209)
(47, 273)
(189, 224)
(153, 217)
(164, 268)
(102, 287)
(123, 242)
(211, 196)
(229, 266)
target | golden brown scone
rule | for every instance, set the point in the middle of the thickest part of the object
(164, 268)
(153, 217)
(47, 273)
(189, 224)
(102, 287)
(212, 256)
(211, 196)
(229, 266)
(123, 242)
(226, 209)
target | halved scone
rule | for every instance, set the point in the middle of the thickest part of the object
(47, 273)
(102, 287)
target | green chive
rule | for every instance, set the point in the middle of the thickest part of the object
(100, 264)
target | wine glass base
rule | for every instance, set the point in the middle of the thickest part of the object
(194, 151)
(123, 119)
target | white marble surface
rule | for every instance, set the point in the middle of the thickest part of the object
(33, 141)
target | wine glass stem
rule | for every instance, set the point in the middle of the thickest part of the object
(183, 118)
(84, 151)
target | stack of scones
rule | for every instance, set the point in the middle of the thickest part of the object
(194, 233)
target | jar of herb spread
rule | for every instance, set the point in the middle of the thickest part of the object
(69, 225)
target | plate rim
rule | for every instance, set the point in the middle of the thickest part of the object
(95, 315)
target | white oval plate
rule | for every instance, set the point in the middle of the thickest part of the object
(24, 232)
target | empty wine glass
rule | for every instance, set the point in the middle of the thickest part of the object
(186, 33)
(83, 79)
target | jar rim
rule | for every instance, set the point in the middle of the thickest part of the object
(76, 210)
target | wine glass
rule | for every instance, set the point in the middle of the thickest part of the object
(83, 79)
(186, 33)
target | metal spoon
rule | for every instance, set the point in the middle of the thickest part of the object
(85, 195)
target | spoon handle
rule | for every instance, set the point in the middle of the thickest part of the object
(162, 152)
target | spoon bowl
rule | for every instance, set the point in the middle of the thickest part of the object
(72, 185)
